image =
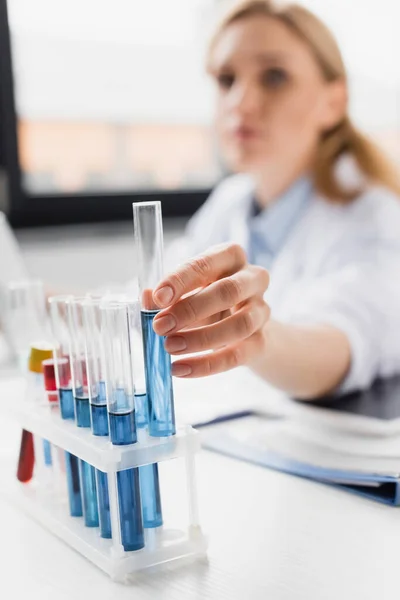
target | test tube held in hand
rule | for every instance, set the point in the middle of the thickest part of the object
(148, 236)
(149, 478)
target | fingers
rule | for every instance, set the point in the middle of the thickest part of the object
(220, 360)
(199, 272)
(217, 297)
(239, 326)
(147, 300)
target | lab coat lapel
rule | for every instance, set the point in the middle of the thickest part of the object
(301, 253)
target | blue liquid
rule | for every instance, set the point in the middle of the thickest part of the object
(99, 419)
(130, 511)
(100, 428)
(102, 393)
(160, 396)
(151, 499)
(67, 404)
(82, 410)
(89, 494)
(47, 453)
(148, 475)
(74, 486)
(141, 412)
(104, 504)
(71, 461)
(122, 433)
(122, 428)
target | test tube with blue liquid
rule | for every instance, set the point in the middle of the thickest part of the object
(61, 344)
(148, 235)
(136, 336)
(95, 363)
(82, 407)
(59, 326)
(149, 477)
(121, 410)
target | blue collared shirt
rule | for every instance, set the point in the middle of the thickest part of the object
(269, 229)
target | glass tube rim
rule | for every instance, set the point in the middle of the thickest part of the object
(146, 204)
(59, 299)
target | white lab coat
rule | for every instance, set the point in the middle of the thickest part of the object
(340, 266)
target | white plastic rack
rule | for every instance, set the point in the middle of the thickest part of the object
(43, 499)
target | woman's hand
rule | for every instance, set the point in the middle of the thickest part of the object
(214, 302)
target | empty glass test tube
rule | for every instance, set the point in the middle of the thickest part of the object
(25, 319)
(148, 236)
(82, 408)
(120, 404)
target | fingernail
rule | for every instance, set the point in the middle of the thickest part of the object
(164, 295)
(181, 370)
(164, 324)
(175, 344)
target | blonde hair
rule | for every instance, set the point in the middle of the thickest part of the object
(342, 139)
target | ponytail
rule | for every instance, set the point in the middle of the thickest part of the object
(345, 139)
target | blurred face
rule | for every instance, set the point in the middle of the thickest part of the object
(272, 100)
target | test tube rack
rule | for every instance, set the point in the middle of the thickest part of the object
(42, 502)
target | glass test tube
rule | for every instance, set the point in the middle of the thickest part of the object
(49, 375)
(136, 337)
(95, 366)
(59, 327)
(61, 343)
(24, 307)
(52, 397)
(148, 234)
(149, 478)
(82, 409)
(24, 316)
(25, 321)
(57, 454)
(120, 404)
(95, 363)
(39, 352)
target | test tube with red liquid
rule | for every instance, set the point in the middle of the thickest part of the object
(62, 372)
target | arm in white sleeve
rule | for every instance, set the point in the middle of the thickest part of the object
(361, 299)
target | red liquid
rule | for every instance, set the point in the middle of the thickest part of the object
(50, 379)
(64, 372)
(26, 459)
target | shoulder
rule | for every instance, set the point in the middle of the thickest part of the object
(375, 212)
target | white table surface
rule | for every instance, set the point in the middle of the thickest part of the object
(272, 536)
